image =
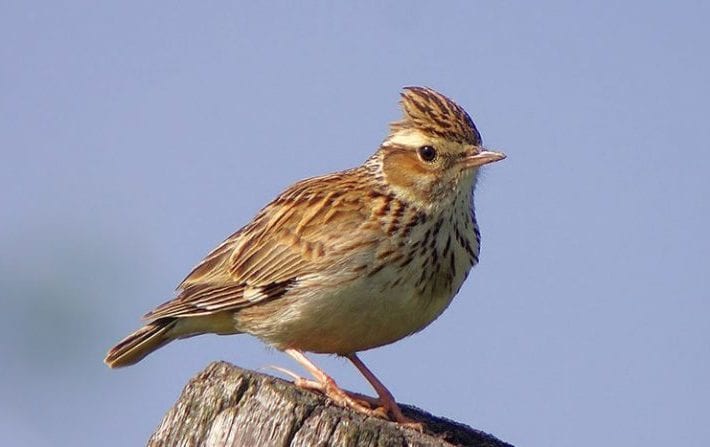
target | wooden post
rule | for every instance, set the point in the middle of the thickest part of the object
(228, 406)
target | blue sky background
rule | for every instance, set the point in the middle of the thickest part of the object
(135, 136)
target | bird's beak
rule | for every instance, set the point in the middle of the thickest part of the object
(480, 158)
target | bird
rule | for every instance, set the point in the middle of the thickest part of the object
(344, 262)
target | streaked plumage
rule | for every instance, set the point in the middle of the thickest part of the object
(347, 261)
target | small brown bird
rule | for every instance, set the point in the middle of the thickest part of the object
(344, 262)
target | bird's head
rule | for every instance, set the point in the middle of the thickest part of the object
(434, 150)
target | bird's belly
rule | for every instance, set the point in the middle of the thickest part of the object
(368, 313)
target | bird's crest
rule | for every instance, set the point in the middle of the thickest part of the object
(434, 113)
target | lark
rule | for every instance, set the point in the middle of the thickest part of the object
(344, 262)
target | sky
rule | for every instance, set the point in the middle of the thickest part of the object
(135, 136)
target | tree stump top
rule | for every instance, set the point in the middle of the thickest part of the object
(228, 406)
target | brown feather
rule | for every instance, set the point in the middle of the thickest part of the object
(347, 261)
(267, 256)
(142, 342)
(430, 111)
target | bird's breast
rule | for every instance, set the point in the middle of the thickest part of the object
(407, 282)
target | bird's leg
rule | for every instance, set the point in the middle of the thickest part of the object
(326, 385)
(293, 375)
(388, 404)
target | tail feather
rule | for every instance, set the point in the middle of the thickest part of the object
(139, 344)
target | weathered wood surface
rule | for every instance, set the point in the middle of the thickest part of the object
(228, 406)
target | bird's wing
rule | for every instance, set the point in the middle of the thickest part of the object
(285, 241)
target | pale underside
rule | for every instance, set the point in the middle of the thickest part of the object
(329, 268)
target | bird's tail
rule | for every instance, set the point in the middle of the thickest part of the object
(142, 342)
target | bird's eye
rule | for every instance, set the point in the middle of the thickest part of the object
(427, 153)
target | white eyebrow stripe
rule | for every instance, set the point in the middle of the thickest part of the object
(408, 137)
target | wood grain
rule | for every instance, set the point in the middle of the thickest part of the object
(225, 405)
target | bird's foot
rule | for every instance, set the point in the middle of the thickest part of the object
(386, 404)
(391, 411)
(385, 407)
(338, 395)
(329, 388)
(372, 406)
